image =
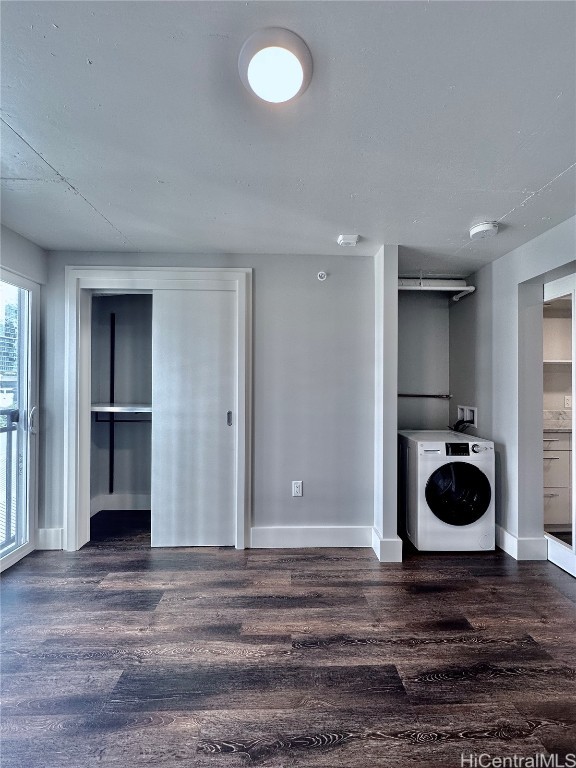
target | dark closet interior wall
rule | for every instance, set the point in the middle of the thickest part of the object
(423, 359)
(131, 316)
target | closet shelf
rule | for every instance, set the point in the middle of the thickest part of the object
(117, 408)
(458, 287)
(437, 397)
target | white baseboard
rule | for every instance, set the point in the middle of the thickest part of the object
(387, 550)
(521, 548)
(49, 538)
(285, 537)
(561, 555)
(119, 501)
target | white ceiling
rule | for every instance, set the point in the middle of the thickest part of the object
(127, 128)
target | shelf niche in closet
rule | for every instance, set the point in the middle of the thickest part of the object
(121, 408)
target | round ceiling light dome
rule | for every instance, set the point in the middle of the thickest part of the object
(275, 64)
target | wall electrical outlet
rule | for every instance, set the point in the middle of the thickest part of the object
(296, 487)
(567, 401)
(468, 413)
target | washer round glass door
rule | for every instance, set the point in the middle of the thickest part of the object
(458, 493)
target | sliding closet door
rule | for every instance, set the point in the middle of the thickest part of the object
(193, 433)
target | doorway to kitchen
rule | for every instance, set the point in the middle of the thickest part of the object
(559, 342)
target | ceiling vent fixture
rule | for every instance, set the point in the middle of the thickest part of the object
(275, 64)
(485, 229)
(347, 241)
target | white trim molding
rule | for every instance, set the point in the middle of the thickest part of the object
(521, 548)
(387, 550)
(561, 555)
(49, 538)
(80, 283)
(384, 540)
(288, 536)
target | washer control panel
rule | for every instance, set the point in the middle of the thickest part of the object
(458, 449)
(463, 448)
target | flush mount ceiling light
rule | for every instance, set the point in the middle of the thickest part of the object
(275, 64)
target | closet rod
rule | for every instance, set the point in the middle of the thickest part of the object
(438, 397)
(111, 436)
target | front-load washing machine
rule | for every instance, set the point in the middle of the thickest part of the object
(448, 482)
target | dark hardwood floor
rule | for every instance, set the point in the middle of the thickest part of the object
(120, 655)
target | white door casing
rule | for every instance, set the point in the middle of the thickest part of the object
(81, 282)
(193, 401)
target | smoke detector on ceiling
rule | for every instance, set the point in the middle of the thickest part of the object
(485, 229)
(347, 241)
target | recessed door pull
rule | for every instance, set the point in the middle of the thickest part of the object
(32, 421)
(229, 418)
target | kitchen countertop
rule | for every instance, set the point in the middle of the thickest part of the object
(558, 420)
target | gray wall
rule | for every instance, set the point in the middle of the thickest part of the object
(21, 256)
(496, 331)
(313, 374)
(423, 359)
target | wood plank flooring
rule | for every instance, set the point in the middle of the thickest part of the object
(120, 655)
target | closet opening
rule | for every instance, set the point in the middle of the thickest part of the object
(121, 417)
(186, 383)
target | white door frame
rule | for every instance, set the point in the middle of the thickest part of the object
(80, 283)
(559, 553)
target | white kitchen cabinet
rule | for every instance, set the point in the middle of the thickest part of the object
(557, 469)
(557, 335)
(557, 478)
